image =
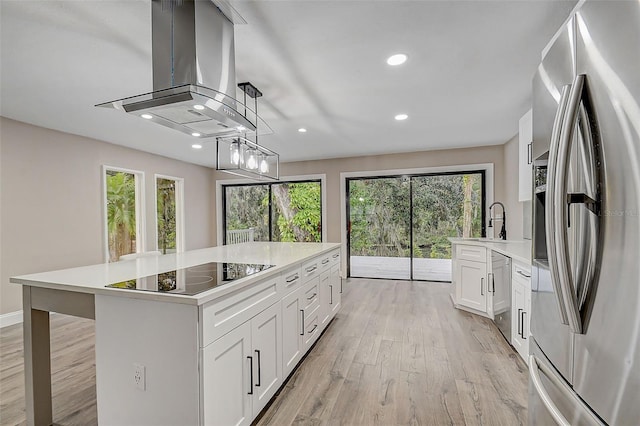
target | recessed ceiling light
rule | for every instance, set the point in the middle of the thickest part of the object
(196, 146)
(196, 134)
(198, 107)
(241, 128)
(147, 116)
(397, 59)
(401, 117)
(302, 130)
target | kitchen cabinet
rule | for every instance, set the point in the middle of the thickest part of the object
(325, 297)
(525, 157)
(470, 277)
(243, 369)
(335, 300)
(292, 342)
(521, 303)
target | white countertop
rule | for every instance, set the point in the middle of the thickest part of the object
(94, 278)
(516, 249)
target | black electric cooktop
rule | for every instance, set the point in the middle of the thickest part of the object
(192, 280)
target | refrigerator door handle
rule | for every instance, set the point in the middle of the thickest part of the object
(560, 206)
(534, 374)
(549, 203)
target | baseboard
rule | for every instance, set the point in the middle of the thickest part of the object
(10, 319)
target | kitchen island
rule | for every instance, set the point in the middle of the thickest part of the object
(215, 357)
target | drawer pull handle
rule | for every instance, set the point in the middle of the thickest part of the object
(313, 329)
(312, 296)
(310, 269)
(518, 271)
(250, 358)
(331, 294)
(519, 322)
(337, 255)
(258, 353)
(292, 278)
(325, 261)
(302, 312)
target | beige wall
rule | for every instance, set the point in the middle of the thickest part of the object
(333, 167)
(51, 201)
(513, 206)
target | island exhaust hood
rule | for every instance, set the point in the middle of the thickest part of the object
(194, 79)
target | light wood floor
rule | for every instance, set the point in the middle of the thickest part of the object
(397, 353)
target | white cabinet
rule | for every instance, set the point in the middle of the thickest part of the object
(500, 294)
(521, 308)
(243, 369)
(325, 297)
(525, 160)
(226, 370)
(292, 333)
(335, 289)
(470, 277)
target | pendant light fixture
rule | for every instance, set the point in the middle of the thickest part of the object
(237, 154)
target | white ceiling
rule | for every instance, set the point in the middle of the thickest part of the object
(320, 64)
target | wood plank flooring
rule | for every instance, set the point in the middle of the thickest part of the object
(398, 353)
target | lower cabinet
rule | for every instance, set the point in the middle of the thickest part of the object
(521, 303)
(292, 331)
(242, 370)
(472, 288)
(335, 290)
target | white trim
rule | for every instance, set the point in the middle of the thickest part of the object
(180, 237)
(323, 194)
(140, 208)
(10, 319)
(487, 167)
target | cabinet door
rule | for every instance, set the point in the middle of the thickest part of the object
(501, 293)
(266, 339)
(473, 285)
(226, 379)
(525, 136)
(292, 341)
(335, 300)
(516, 323)
(325, 298)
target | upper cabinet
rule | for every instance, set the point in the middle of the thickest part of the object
(525, 158)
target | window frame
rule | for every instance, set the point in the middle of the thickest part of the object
(221, 201)
(180, 237)
(140, 208)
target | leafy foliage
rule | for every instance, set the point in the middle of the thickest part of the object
(121, 214)
(166, 214)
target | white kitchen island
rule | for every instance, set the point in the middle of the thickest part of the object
(216, 357)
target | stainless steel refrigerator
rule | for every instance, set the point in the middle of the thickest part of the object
(585, 322)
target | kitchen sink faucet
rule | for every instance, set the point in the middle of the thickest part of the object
(503, 231)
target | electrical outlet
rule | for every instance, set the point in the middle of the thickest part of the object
(140, 376)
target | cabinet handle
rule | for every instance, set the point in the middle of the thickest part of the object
(258, 382)
(529, 148)
(250, 374)
(302, 311)
(325, 261)
(330, 294)
(493, 282)
(519, 320)
(519, 272)
(335, 256)
(523, 336)
(481, 286)
(310, 269)
(312, 296)
(292, 278)
(313, 329)
(340, 285)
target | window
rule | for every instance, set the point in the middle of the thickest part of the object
(123, 212)
(283, 211)
(169, 214)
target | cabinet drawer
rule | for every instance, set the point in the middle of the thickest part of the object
(221, 316)
(335, 257)
(311, 295)
(325, 261)
(291, 280)
(472, 253)
(310, 269)
(521, 273)
(311, 327)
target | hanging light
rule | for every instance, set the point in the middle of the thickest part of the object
(239, 155)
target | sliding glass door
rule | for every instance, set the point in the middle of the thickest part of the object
(399, 226)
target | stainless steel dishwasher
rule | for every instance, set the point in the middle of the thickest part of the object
(501, 276)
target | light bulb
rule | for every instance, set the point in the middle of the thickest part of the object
(252, 163)
(264, 166)
(235, 154)
(147, 116)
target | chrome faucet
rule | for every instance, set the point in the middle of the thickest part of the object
(503, 231)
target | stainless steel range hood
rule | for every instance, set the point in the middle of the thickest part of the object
(194, 79)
